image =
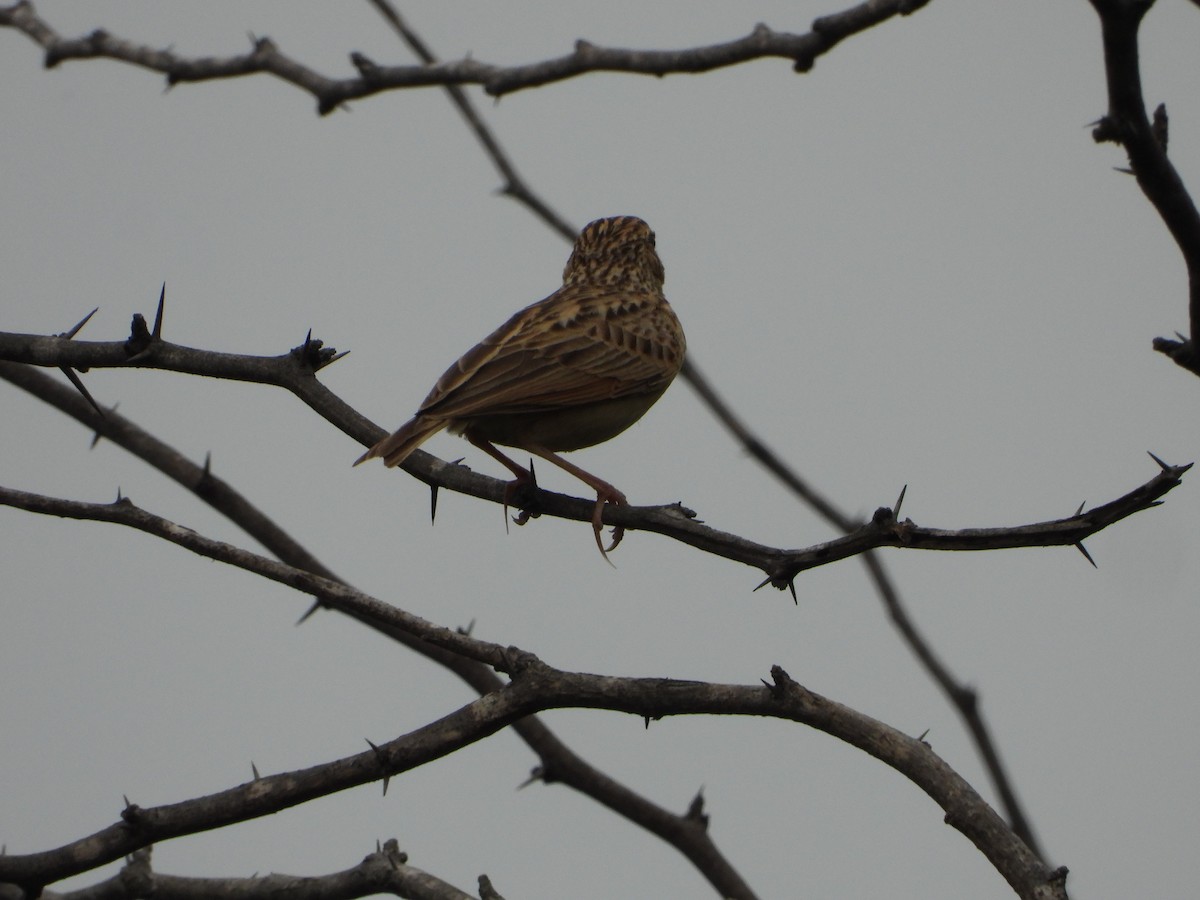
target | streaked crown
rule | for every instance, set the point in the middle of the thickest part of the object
(618, 251)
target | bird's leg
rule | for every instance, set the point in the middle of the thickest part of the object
(525, 478)
(605, 493)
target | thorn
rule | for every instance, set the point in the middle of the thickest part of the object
(1162, 465)
(254, 769)
(336, 358)
(536, 774)
(119, 497)
(1086, 555)
(207, 464)
(433, 494)
(158, 316)
(312, 609)
(1081, 505)
(97, 436)
(924, 734)
(900, 501)
(308, 339)
(792, 588)
(762, 583)
(468, 630)
(74, 331)
(383, 762)
(70, 373)
(646, 723)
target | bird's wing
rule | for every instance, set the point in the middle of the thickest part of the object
(580, 345)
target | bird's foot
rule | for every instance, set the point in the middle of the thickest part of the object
(522, 493)
(616, 498)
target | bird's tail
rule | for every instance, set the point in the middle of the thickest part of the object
(396, 447)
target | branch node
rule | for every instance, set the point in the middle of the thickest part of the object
(367, 68)
(486, 891)
(781, 683)
(1058, 877)
(515, 662)
(140, 339)
(313, 354)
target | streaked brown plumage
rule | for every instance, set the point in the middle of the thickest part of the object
(570, 371)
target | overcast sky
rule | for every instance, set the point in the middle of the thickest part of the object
(909, 266)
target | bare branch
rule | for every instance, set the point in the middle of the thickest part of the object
(514, 184)
(534, 687)
(385, 871)
(673, 520)
(1127, 123)
(964, 699)
(265, 57)
(558, 763)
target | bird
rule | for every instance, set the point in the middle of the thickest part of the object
(567, 372)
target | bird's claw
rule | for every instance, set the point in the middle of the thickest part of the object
(618, 531)
(522, 493)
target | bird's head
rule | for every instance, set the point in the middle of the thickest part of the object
(616, 251)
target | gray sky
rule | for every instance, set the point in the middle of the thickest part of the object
(910, 266)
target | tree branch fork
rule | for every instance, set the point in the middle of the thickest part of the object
(534, 686)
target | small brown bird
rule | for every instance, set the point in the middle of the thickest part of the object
(570, 371)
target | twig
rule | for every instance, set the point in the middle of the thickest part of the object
(1126, 123)
(514, 184)
(265, 57)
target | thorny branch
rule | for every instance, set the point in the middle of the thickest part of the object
(1127, 124)
(534, 687)
(265, 57)
(514, 185)
(296, 372)
(964, 699)
(558, 764)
